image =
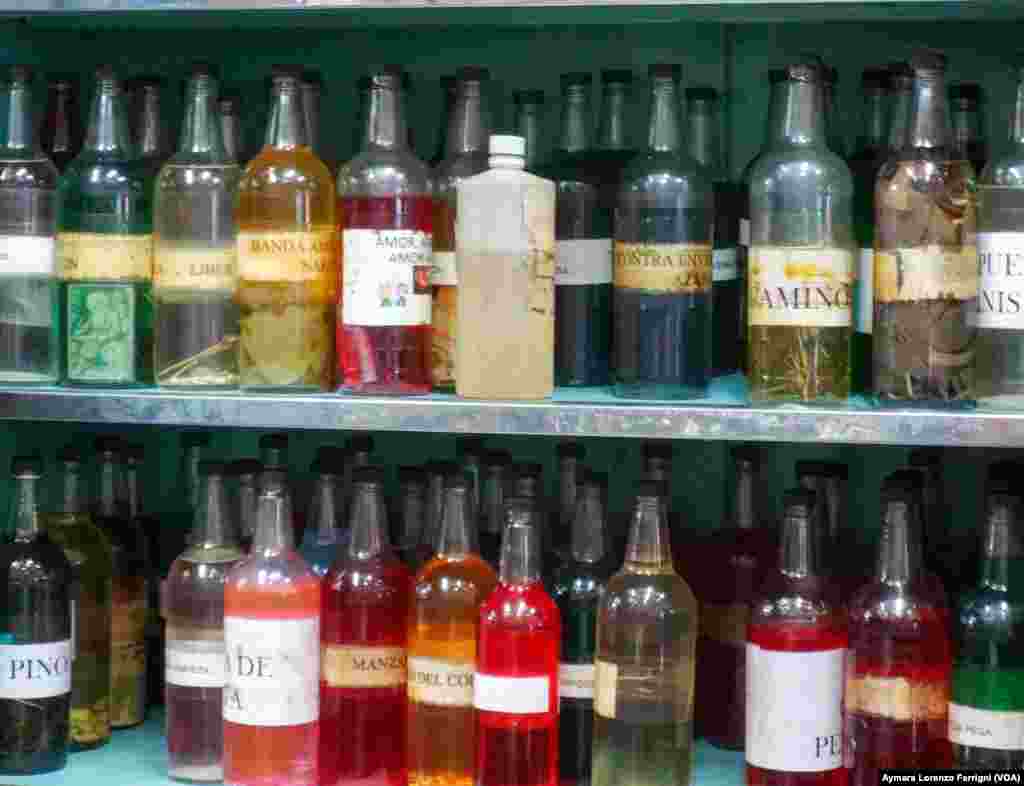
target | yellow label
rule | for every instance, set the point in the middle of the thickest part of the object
(663, 267)
(897, 698)
(926, 273)
(725, 622)
(128, 638)
(288, 256)
(441, 683)
(363, 667)
(86, 255)
(213, 269)
(795, 286)
(605, 676)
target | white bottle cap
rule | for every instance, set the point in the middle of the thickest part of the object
(508, 145)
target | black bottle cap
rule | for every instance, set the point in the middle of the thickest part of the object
(928, 62)
(195, 439)
(649, 489)
(616, 76)
(576, 78)
(410, 475)
(27, 467)
(472, 74)
(208, 468)
(528, 97)
(69, 454)
(701, 93)
(458, 480)
(529, 469)
(19, 74)
(799, 502)
(571, 450)
(673, 71)
(245, 467)
(361, 443)
(965, 93)
(875, 78)
(369, 475)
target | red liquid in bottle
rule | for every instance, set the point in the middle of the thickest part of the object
(385, 359)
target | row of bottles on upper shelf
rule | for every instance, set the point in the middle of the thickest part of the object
(352, 658)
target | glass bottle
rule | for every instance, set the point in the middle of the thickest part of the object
(469, 452)
(312, 85)
(149, 129)
(195, 271)
(412, 496)
(583, 246)
(272, 637)
(323, 536)
(1000, 318)
(130, 592)
(61, 132)
(528, 123)
(801, 263)
(246, 473)
(438, 473)
(232, 132)
(515, 688)
(828, 480)
(570, 475)
(864, 163)
(287, 254)
(796, 636)
(363, 680)
(577, 586)
(644, 665)
(505, 241)
(954, 560)
(88, 549)
(987, 695)
(468, 132)
(448, 96)
(445, 612)
(195, 651)
(614, 142)
(830, 107)
(386, 218)
(663, 234)
(35, 638)
(926, 265)
(492, 506)
(965, 100)
(105, 251)
(29, 334)
(898, 663)
(193, 445)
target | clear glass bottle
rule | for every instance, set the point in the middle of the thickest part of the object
(105, 251)
(926, 261)
(195, 270)
(438, 473)
(150, 130)
(466, 155)
(192, 447)
(324, 537)
(801, 263)
(35, 635)
(410, 516)
(231, 130)
(61, 132)
(663, 236)
(644, 665)
(29, 334)
(505, 241)
(195, 651)
(246, 474)
(833, 115)
(469, 455)
(528, 123)
(287, 254)
(965, 99)
(387, 224)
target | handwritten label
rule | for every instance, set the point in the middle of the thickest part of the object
(441, 683)
(583, 262)
(926, 273)
(663, 267)
(808, 287)
(363, 667)
(999, 730)
(896, 698)
(35, 671)
(195, 663)
(1001, 288)
(386, 277)
(96, 257)
(214, 269)
(288, 256)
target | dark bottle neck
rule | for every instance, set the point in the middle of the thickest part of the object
(799, 547)
(311, 112)
(649, 544)
(1018, 114)
(71, 494)
(286, 128)
(191, 457)
(368, 522)
(929, 111)
(16, 123)
(965, 120)
(873, 134)
(588, 528)
(273, 530)
(413, 514)
(108, 121)
(528, 127)
(201, 133)
(575, 136)
(664, 132)
(901, 100)
(231, 133)
(326, 502)
(800, 120)
(458, 536)
(61, 132)
(152, 136)
(25, 515)
(108, 493)
(1000, 542)
(744, 515)
(212, 525)
(385, 115)
(494, 500)
(133, 490)
(899, 555)
(612, 131)
(469, 126)
(702, 133)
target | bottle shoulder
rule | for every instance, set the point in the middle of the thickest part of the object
(668, 169)
(352, 576)
(1007, 170)
(455, 168)
(198, 176)
(648, 594)
(376, 173)
(35, 561)
(274, 168)
(520, 606)
(800, 169)
(34, 171)
(917, 601)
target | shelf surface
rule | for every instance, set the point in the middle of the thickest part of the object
(723, 415)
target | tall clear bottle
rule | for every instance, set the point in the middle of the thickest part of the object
(323, 536)
(386, 214)
(29, 338)
(528, 122)
(965, 102)
(231, 129)
(148, 122)
(195, 651)
(644, 666)
(445, 615)
(105, 251)
(88, 549)
(61, 132)
(801, 263)
(287, 254)
(926, 261)
(663, 236)
(195, 270)
(35, 635)
(505, 244)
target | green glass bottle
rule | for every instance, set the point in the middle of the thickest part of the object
(529, 109)
(105, 251)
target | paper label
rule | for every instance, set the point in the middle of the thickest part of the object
(386, 277)
(794, 709)
(288, 256)
(513, 695)
(35, 671)
(725, 623)
(606, 676)
(1001, 287)
(363, 667)
(195, 663)
(992, 729)
(87, 255)
(100, 323)
(128, 639)
(583, 262)
(273, 671)
(807, 287)
(896, 698)
(445, 272)
(21, 255)
(441, 683)
(865, 289)
(926, 273)
(213, 269)
(576, 680)
(663, 267)
(725, 264)
(744, 237)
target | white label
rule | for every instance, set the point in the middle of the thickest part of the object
(1001, 288)
(798, 285)
(724, 264)
(865, 290)
(794, 709)
(273, 671)
(28, 256)
(583, 262)
(515, 695)
(744, 232)
(441, 683)
(386, 277)
(35, 671)
(195, 664)
(576, 681)
(993, 729)
(445, 272)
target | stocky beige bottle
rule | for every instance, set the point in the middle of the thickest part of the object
(505, 241)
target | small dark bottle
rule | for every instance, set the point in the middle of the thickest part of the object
(492, 507)
(448, 93)
(409, 518)
(838, 554)
(615, 148)
(570, 476)
(965, 99)
(245, 498)
(529, 111)
(953, 558)
(469, 452)
(149, 128)
(36, 629)
(61, 134)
